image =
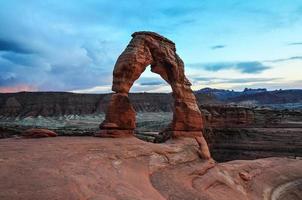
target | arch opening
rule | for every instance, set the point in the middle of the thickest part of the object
(150, 82)
(155, 115)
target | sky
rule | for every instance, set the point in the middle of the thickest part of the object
(72, 45)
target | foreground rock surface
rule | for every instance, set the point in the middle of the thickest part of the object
(128, 168)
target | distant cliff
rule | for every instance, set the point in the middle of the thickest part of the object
(236, 132)
(25, 104)
(226, 116)
(63, 103)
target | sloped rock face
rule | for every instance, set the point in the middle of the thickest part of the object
(148, 48)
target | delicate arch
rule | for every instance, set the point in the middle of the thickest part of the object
(148, 48)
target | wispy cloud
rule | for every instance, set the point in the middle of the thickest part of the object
(218, 47)
(234, 80)
(295, 43)
(285, 59)
(254, 67)
(249, 67)
(152, 83)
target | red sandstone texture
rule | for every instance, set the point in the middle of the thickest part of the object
(38, 133)
(69, 168)
(148, 48)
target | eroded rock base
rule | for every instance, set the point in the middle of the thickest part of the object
(114, 133)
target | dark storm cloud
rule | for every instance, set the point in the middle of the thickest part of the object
(6, 45)
(74, 45)
(30, 60)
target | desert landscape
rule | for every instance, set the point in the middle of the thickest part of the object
(150, 100)
(208, 150)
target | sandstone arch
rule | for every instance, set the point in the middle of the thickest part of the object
(149, 48)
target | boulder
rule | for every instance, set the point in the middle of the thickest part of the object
(38, 133)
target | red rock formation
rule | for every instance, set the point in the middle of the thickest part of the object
(38, 133)
(148, 48)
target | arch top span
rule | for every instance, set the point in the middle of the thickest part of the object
(149, 48)
(153, 34)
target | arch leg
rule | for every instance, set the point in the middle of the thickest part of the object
(120, 118)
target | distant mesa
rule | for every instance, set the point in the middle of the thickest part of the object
(50, 104)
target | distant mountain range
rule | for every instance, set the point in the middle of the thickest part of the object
(64, 103)
(257, 96)
(227, 94)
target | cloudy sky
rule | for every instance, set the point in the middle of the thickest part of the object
(72, 45)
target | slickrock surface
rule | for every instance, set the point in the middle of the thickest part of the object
(71, 168)
(144, 49)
